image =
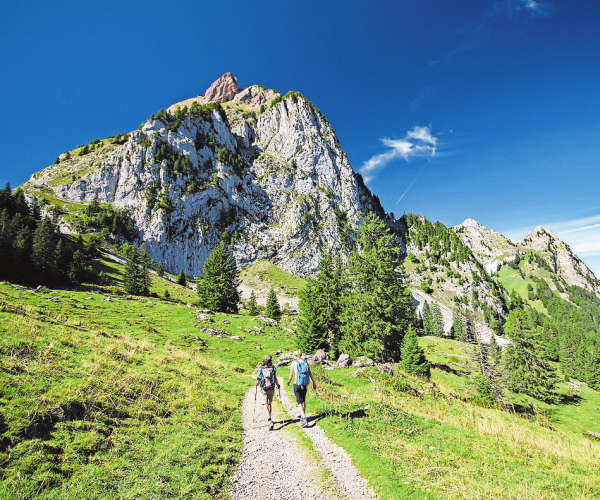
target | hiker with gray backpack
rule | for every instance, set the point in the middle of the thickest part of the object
(267, 381)
(300, 372)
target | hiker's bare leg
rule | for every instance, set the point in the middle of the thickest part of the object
(301, 410)
(268, 410)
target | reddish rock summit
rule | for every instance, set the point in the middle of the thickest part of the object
(222, 90)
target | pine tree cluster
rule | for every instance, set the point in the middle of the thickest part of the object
(33, 252)
(363, 308)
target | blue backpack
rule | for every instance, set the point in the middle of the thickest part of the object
(302, 373)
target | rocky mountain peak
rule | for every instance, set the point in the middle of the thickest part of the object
(222, 90)
(540, 234)
(471, 224)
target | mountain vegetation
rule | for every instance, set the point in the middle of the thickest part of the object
(476, 360)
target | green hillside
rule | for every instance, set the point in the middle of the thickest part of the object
(119, 399)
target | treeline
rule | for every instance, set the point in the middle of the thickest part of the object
(33, 252)
(571, 333)
(109, 220)
(362, 308)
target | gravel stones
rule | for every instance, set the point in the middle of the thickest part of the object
(273, 465)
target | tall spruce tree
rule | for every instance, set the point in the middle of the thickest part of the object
(526, 366)
(181, 279)
(320, 308)
(413, 358)
(217, 288)
(252, 305)
(272, 309)
(377, 308)
(437, 320)
(427, 318)
(137, 277)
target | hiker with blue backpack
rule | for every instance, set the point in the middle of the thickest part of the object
(267, 381)
(300, 372)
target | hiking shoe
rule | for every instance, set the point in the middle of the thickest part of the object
(303, 422)
(271, 424)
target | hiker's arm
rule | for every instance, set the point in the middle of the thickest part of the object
(291, 373)
(313, 380)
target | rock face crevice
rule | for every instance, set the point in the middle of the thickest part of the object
(261, 170)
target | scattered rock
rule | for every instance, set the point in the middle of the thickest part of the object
(289, 330)
(212, 332)
(235, 337)
(277, 352)
(91, 298)
(205, 317)
(256, 347)
(344, 360)
(204, 311)
(385, 368)
(363, 361)
(226, 322)
(320, 357)
(268, 321)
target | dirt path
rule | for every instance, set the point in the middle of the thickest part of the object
(275, 466)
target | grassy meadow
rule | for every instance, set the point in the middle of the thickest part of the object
(104, 395)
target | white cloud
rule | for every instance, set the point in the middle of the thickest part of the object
(417, 143)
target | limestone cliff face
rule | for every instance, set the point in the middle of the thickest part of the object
(490, 247)
(262, 170)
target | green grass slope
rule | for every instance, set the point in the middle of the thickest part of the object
(127, 398)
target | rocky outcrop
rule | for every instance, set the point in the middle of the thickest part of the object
(560, 258)
(263, 171)
(223, 90)
(491, 248)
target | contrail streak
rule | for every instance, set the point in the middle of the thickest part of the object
(422, 168)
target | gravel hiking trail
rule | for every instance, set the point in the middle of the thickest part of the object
(275, 466)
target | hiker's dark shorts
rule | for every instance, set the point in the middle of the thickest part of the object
(300, 393)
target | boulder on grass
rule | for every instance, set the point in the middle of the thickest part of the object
(344, 360)
(363, 361)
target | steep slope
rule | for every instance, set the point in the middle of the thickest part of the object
(569, 268)
(263, 171)
(541, 255)
(490, 247)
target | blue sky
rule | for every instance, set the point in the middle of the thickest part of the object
(492, 106)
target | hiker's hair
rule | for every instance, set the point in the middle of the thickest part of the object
(297, 354)
(267, 360)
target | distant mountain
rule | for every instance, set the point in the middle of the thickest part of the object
(263, 170)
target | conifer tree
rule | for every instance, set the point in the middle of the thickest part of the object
(137, 278)
(320, 308)
(413, 358)
(525, 361)
(437, 320)
(427, 317)
(181, 280)
(44, 243)
(458, 327)
(272, 309)
(377, 308)
(217, 288)
(159, 270)
(252, 305)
